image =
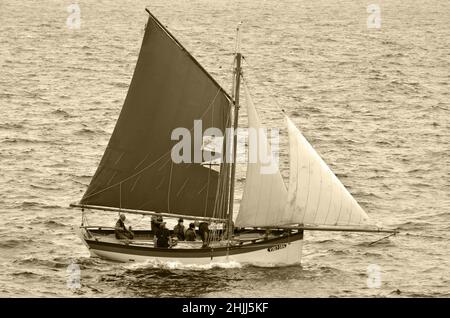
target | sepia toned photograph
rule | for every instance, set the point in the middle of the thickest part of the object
(231, 149)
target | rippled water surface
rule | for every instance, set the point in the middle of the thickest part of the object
(373, 102)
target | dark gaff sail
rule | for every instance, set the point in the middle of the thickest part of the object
(169, 89)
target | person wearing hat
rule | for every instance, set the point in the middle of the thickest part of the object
(155, 222)
(190, 233)
(203, 230)
(163, 238)
(178, 230)
(121, 231)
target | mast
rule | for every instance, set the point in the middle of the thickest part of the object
(235, 126)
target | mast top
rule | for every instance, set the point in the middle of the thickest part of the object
(238, 37)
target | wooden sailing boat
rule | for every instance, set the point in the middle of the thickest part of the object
(136, 175)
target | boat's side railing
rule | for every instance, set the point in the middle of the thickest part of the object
(236, 242)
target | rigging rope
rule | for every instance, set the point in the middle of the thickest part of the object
(279, 108)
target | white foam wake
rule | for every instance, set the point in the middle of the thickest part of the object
(178, 265)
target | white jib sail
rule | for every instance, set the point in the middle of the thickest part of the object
(316, 196)
(264, 198)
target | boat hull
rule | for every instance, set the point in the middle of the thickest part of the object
(285, 250)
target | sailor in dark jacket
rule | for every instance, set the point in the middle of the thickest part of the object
(121, 230)
(203, 231)
(178, 230)
(163, 238)
(190, 233)
(155, 223)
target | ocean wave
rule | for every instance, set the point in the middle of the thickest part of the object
(383, 143)
(372, 254)
(311, 109)
(395, 55)
(61, 112)
(85, 183)
(8, 140)
(33, 261)
(13, 243)
(11, 126)
(383, 242)
(413, 225)
(421, 185)
(325, 241)
(365, 195)
(418, 170)
(26, 274)
(339, 252)
(34, 204)
(92, 262)
(54, 224)
(34, 186)
(322, 269)
(295, 114)
(435, 237)
(121, 85)
(28, 204)
(87, 131)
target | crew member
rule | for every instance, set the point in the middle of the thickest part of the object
(121, 230)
